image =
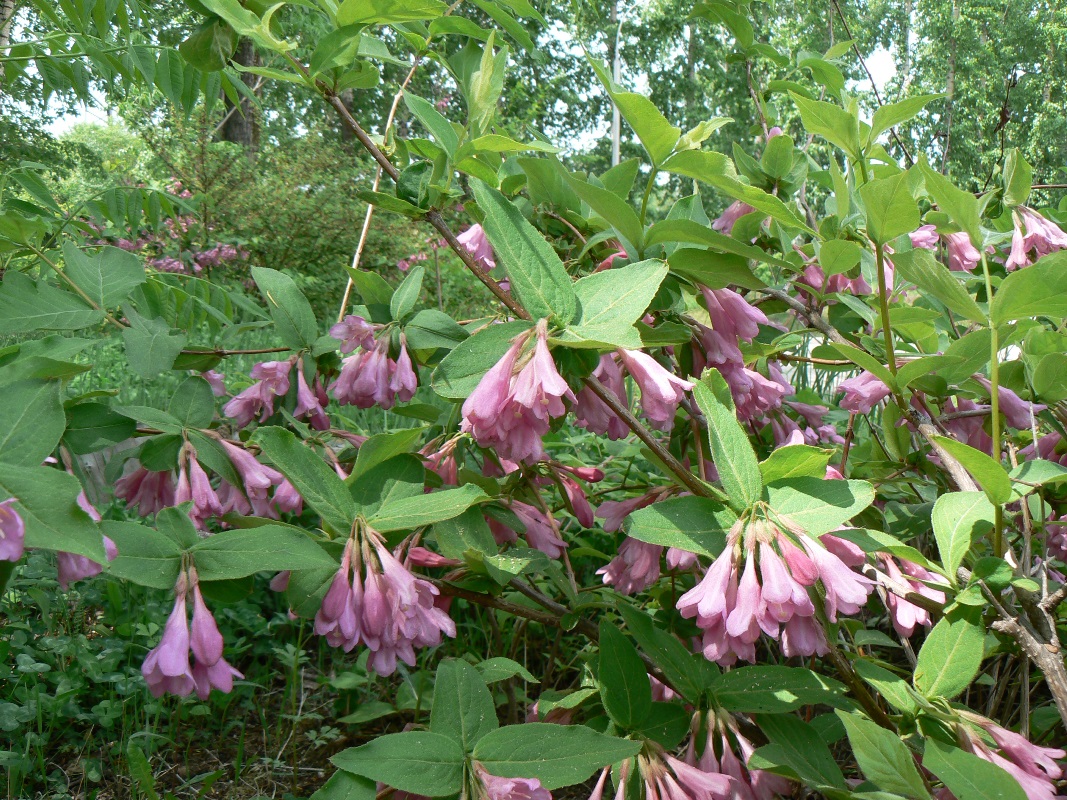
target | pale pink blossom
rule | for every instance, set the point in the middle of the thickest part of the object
(12, 531)
(541, 532)
(613, 512)
(592, 413)
(661, 390)
(725, 222)
(962, 255)
(1032, 766)
(215, 381)
(863, 393)
(497, 788)
(1033, 233)
(352, 332)
(634, 569)
(210, 669)
(476, 243)
(1018, 412)
(924, 237)
(308, 404)
(906, 616)
(145, 491)
(166, 668)
(271, 381)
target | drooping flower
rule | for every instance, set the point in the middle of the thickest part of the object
(12, 531)
(352, 332)
(669, 778)
(404, 381)
(634, 569)
(924, 237)
(609, 262)
(476, 243)
(511, 410)
(497, 788)
(257, 479)
(541, 532)
(210, 669)
(732, 320)
(962, 255)
(1033, 766)
(376, 600)
(147, 492)
(166, 668)
(592, 413)
(907, 616)
(1033, 233)
(308, 404)
(271, 381)
(194, 485)
(71, 567)
(760, 583)
(725, 222)
(727, 751)
(215, 381)
(1016, 411)
(661, 391)
(613, 512)
(863, 393)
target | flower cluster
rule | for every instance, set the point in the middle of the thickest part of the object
(1033, 766)
(12, 531)
(760, 583)
(370, 377)
(1033, 234)
(167, 667)
(376, 600)
(514, 403)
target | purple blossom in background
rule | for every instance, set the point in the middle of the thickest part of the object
(863, 393)
(216, 381)
(907, 616)
(272, 380)
(541, 533)
(308, 405)
(147, 492)
(71, 567)
(725, 222)
(1033, 766)
(591, 413)
(12, 531)
(635, 568)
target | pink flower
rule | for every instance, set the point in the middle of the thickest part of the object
(511, 411)
(609, 262)
(477, 244)
(906, 616)
(591, 412)
(12, 531)
(256, 479)
(1034, 767)
(307, 403)
(166, 668)
(146, 491)
(732, 320)
(661, 391)
(541, 532)
(1041, 236)
(71, 567)
(353, 332)
(364, 379)
(215, 380)
(726, 221)
(613, 512)
(578, 502)
(194, 485)
(210, 669)
(403, 381)
(1016, 411)
(924, 237)
(724, 741)
(863, 393)
(962, 255)
(272, 380)
(497, 788)
(375, 600)
(635, 568)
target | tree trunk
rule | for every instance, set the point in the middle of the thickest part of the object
(7, 17)
(241, 125)
(613, 45)
(691, 76)
(950, 86)
(905, 48)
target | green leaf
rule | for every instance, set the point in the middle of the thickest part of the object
(463, 707)
(461, 370)
(624, 685)
(931, 276)
(372, 288)
(26, 306)
(425, 509)
(610, 302)
(381, 447)
(46, 499)
(883, 757)
(961, 206)
(831, 122)
(391, 480)
(431, 329)
(556, 755)
(958, 518)
(344, 786)
(656, 134)
(777, 158)
(241, 552)
(969, 777)
(152, 417)
(1050, 377)
(434, 121)
(151, 346)
(210, 46)
(387, 12)
(419, 762)
(193, 403)
(892, 114)
(538, 278)
(802, 749)
(108, 276)
(731, 450)
(795, 461)
(686, 230)
(1018, 177)
(691, 523)
(838, 255)
(615, 210)
(146, 557)
(714, 270)
(863, 359)
(468, 531)
(407, 294)
(290, 310)
(774, 689)
(1039, 290)
(500, 669)
(991, 476)
(897, 691)
(891, 210)
(690, 673)
(96, 426)
(317, 483)
(31, 422)
(694, 164)
(818, 506)
(952, 654)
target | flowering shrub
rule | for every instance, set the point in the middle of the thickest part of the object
(846, 401)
